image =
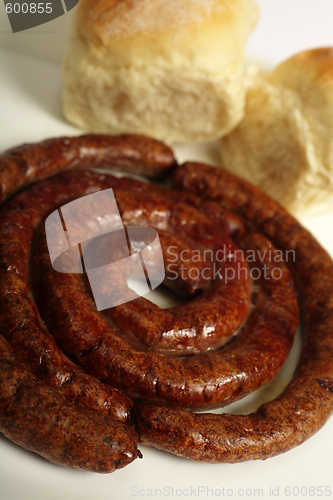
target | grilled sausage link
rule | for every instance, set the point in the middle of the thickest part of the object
(136, 154)
(205, 380)
(307, 402)
(20, 320)
(37, 418)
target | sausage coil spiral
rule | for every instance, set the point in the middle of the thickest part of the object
(96, 384)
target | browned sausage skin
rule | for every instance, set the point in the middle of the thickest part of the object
(19, 167)
(307, 402)
(19, 318)
(37, 418)
(206, 323)
(130, 153)
(202, 381)
(195, 381)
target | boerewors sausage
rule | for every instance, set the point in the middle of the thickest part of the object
(37, 418)
(202, 381)
(255, 316)
(307, 402)
(130, 153)
(24, 328)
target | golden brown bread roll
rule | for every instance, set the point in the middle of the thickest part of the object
(284, 144)
(172, 70)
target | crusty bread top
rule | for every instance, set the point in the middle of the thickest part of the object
(284, 143)
(160, 28)
(126, 18)
(309, 76)
(317, 63)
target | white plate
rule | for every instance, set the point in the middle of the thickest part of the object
(30, 110)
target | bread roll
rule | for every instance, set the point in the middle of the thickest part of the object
(171, 69)
(284, 144)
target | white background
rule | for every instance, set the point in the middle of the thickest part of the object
(30, 110)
